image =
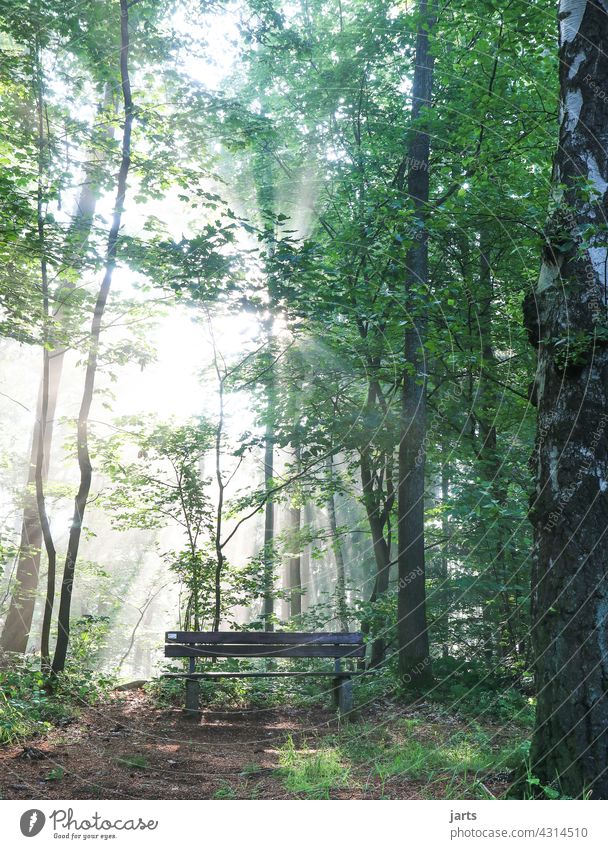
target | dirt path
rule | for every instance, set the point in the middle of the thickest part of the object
(127, 748)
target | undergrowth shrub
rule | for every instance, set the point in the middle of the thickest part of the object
(29, 705)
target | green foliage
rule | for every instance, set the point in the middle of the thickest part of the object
(26, 708)
(480, 692)
(55, 774)
(87, 641)
(155, 469)
(29, 707)
(245, 692)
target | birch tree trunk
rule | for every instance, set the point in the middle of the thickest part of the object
(566, 320)
(412, 633)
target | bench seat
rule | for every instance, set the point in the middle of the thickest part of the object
(202, 675)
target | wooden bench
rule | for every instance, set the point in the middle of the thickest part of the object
(269, 644)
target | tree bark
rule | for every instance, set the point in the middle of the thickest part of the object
(412, 633)
(84, 460)
(567, 322)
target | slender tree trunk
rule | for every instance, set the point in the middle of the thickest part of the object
(269, 575)
(380, 547)
(294, 564)
(84, 460)
(18, 623)
(566, 318)
(305, 561)
(295, 567)
(444, 575)
(221, 486)
(412, 633)
(342, 606)
(44, 402)
(265, 187)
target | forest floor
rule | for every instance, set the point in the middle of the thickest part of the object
(126, 747)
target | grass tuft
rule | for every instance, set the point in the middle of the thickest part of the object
(312, 774)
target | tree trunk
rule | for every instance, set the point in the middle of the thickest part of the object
(294, 562)
(444, 575)
(305, 561)
(380, 546)
(84, 461)
(341, 605)
(269, 527)
(18, 623)
(566, 320)
(219, 513)
(41, 463)
(294, 565)
(412, 633)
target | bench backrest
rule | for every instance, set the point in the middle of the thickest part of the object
(262, 644)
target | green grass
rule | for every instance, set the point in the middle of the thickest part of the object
(224, 791)
(445, 763)
(134, 762)
(312, 774)
(55, 774)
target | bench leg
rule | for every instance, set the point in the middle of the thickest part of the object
(192, 710)
(335, 692)
(343, 695)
